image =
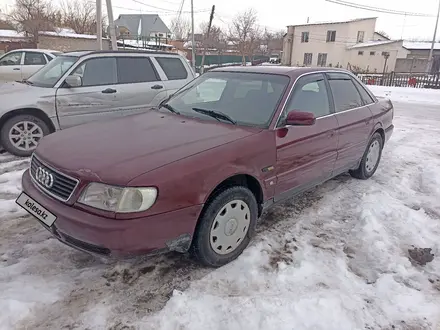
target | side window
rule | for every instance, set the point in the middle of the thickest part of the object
(48, 58)
(210, 90)
(309, 95)
(133, 70)
(11, 59)
(31, 58)
(366, 98)
(345, 94)
(173, 68)
(97, 71)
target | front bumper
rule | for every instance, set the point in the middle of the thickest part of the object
(119, 238)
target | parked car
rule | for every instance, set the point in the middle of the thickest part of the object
(196, 173)
(80, 87)
(275, 59)
(22, 63)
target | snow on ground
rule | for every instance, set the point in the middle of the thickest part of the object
(334, 258)
(407, 94)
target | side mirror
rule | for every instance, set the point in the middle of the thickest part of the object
(74, 81)
(300, 118)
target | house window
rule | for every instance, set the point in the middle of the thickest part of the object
(373, 53)
(308, 59)
(360, 37)
(304, 37)
(361, 52)
(385, 54)
(331, 36)
(322, 59)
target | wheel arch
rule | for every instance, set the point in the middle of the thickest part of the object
(240, 179)
(28, 111)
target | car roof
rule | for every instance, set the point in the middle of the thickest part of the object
(90, 52)
(35, 50)
(275, 69)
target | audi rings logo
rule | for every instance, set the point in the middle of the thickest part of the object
(44, 177)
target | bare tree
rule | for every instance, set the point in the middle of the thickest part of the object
(33, 16)
(245, 33)
(180, 27)
(79, 15)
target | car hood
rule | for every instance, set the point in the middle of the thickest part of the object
(117, 151)
(13, 87)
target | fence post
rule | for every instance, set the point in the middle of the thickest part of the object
(392, 76)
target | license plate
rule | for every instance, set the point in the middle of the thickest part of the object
(36, 209)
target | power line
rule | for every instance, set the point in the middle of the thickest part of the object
(377, 9)
(165, 9)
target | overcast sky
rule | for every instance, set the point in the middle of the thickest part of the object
(276, 15)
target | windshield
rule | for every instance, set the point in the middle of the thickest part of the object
(49, 74)
(246, 98)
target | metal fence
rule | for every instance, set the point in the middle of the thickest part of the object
(404, 79)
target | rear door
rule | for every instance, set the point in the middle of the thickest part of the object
(354, 118)
(10, 66)
(33, 61)
(139, 84)
(306, 154)
(176, 72)
(97, 98)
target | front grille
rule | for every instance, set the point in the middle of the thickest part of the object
(62, 186)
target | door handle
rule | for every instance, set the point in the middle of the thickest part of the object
(157, 87)
(16, 69)
(109, 91)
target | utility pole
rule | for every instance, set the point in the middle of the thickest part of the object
(428, 69)
(111, 24)
(99, 23)
(211, 17)
(193, 43)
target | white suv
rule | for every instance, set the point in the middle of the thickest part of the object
(79, 87)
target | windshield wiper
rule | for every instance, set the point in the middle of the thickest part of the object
(215, 114)
(169, 107)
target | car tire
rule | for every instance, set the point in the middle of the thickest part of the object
(27, 129)
(370, 160)
(226, 224)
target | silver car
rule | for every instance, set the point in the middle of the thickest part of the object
(80, 87)
(22, 63)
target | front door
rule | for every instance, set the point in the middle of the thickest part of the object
(112, 87)
(10, 67)
(354, 119)
(306, 154)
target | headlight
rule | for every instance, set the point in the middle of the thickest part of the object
(118, 199)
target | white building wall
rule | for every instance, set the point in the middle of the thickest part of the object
(346, 36)
(367, 61)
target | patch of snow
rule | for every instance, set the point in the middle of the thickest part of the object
(407, 94)
(420, 45)
(373, 43)
(66, 34)
(10, 34)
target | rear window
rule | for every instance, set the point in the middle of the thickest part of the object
(135, 70)
(173, 68)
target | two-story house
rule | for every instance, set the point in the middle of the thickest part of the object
(350, 44)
